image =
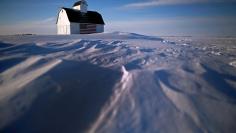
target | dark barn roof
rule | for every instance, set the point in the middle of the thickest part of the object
(79, 17)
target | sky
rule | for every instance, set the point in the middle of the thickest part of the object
(149, 17)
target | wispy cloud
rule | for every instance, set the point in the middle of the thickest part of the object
(153, 3)
(45, 26)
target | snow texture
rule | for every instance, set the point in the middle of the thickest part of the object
(117, 83)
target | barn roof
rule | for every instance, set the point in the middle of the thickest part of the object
(78, 17)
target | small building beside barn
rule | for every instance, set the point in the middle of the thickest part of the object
(78, 20)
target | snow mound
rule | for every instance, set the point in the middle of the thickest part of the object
(117, 82)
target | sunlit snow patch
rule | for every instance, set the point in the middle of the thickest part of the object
(233, 63)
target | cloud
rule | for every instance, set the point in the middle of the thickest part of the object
(154, 3)
(45, 26)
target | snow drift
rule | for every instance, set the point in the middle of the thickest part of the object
(117, 82)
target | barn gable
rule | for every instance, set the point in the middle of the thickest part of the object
(62, 18)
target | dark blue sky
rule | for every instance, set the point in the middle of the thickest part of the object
(154, 17)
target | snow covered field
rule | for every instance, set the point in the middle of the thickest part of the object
(117, 83)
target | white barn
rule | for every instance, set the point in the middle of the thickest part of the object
(78, 20)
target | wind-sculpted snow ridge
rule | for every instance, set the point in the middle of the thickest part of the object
(117, 82)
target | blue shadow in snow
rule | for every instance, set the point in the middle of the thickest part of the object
(85, 88)
(218, 80)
